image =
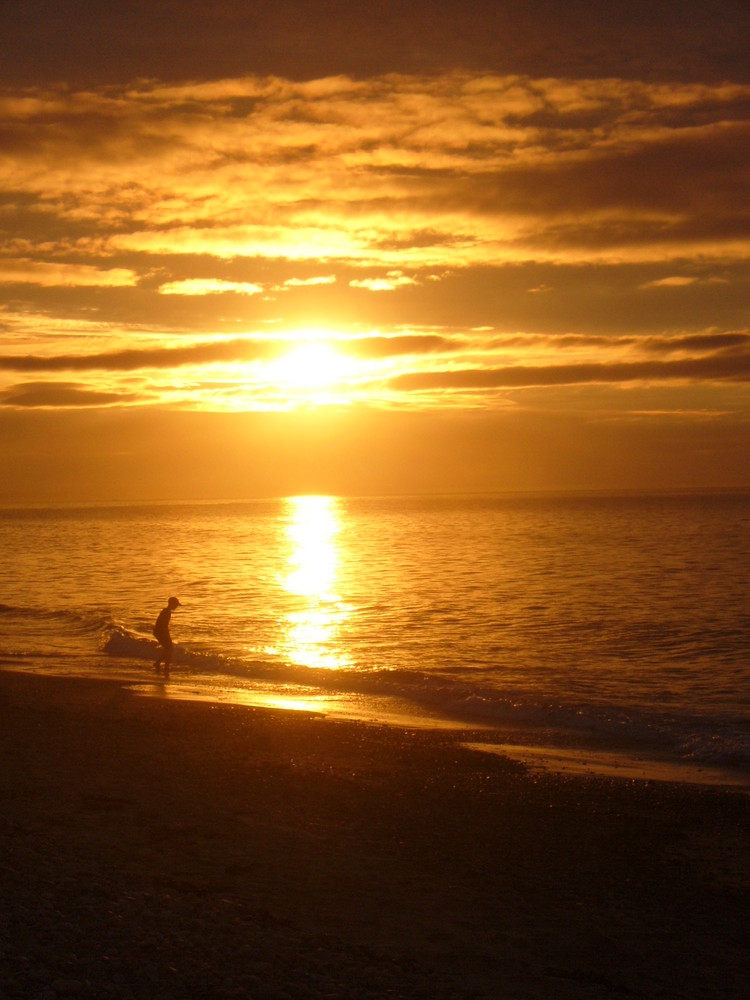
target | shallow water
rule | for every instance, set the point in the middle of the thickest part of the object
(620, 621)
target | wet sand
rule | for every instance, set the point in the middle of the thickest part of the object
(165, 848)
(606, 763)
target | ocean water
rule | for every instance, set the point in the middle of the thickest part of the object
(613, 621)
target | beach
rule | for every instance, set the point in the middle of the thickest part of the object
(155, 847)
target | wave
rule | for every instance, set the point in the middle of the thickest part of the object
(91, 621)
(694, 738)
(119, 641)
(48, 634)
(457, 694)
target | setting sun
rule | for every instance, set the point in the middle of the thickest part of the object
(310, 366)
(310, 371)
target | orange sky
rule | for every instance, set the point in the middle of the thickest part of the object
(275, 248)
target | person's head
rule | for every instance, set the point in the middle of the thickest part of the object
(173, 603)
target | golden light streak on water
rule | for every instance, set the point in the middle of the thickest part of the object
(312, 629)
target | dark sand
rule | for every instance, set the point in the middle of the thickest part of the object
(157, 848)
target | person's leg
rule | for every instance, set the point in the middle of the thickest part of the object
(164, 650)
(167, 657)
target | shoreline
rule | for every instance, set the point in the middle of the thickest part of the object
(583, 761)
(588, 763)
(175, 848)
(558, 752)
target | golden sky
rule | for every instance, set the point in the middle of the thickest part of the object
(254, 248)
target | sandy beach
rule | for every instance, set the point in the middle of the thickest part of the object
(162, 848)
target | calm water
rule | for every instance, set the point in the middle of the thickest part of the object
(623, 621)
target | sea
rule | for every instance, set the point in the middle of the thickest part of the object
(616, 623)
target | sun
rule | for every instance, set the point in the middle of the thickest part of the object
(309, 366)
(301, 370)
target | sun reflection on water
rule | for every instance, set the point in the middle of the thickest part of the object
(313, 626)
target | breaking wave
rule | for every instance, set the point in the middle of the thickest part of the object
(93, 639)
(459, 698)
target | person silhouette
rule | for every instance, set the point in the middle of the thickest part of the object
(161, 633)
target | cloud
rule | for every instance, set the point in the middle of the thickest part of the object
(390, 369)
(683, 281)
(730, 368)
(209, 286)
(329, 279)
(309, 39)
(60, 394)
(392, 281)
(676, 281)
(48, 274)
(393, 346)
(449, 170)
(221, 351)
(135, 359)
(584, 223)
(698, 342)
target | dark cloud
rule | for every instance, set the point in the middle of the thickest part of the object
(697, 342)
(599, 301)
(60, 394)
(87, 41)
(133, 360)
(389, 347)
(729, 368)
(420, 238)
(703, 175)
(208, 352)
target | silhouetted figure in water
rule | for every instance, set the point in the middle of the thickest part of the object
(161, 631)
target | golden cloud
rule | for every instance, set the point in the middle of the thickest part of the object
(510, 167)
(187, 209)
(329, 279)
(39, 272)
(209, 286)
(674, 281)
(392, 280)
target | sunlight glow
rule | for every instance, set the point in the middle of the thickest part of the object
(311, 365)
(312, 628)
